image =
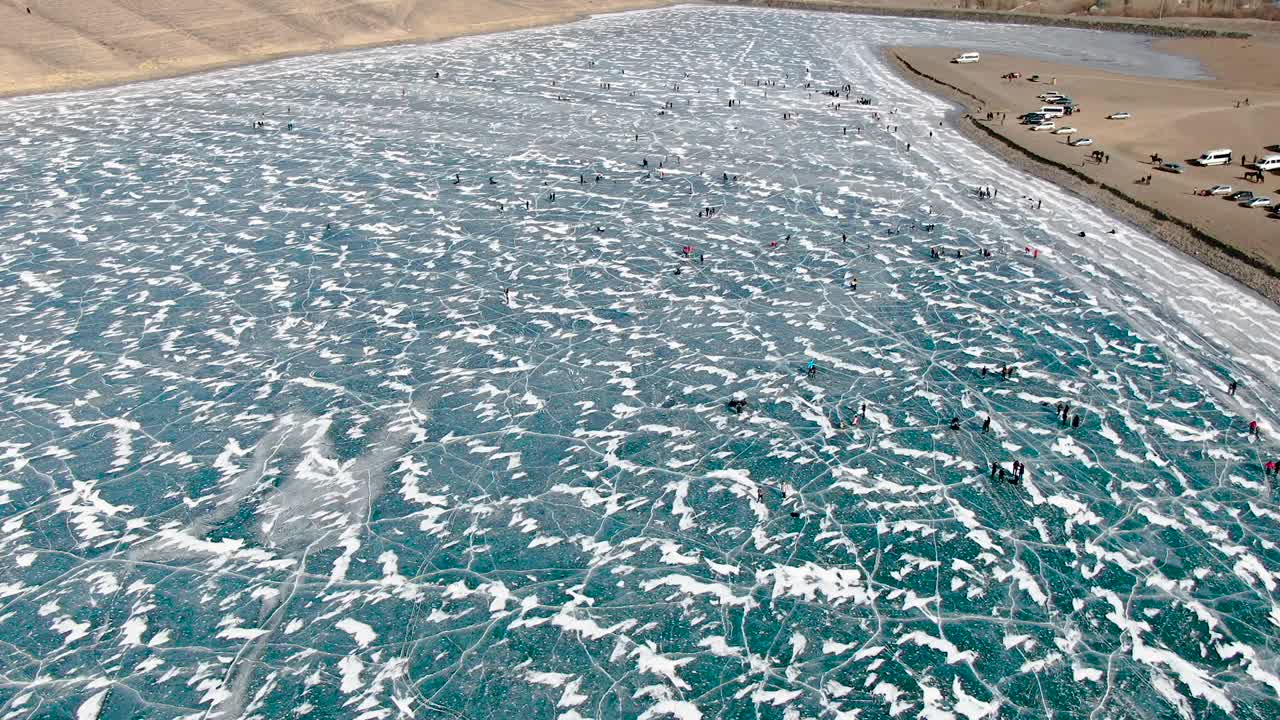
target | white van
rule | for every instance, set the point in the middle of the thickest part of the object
(1053, 111)
(965, 58)
(1222, 156)
(1270, 162)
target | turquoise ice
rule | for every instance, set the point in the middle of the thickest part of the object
(316, 418)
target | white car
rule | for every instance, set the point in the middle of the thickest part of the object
(1049, 96)
(1219, 190)
(1257, 202)
(1119, 116)
(1048, 125)
(1065, 130)
(1081, 142)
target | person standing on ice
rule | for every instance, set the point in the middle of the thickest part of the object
(986, 425)
(811, 369)
(1231, 389)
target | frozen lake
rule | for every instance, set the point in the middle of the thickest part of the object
(410, 402)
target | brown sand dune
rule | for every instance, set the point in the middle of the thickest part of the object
(63, 44)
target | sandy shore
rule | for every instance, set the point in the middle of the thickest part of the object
(1174, 119)
(52, 45)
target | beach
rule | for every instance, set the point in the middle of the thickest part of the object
(57, 45)
(1175, 120)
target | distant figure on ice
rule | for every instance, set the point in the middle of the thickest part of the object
(812, 369)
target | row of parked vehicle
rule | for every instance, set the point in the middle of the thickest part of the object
(1246, 198)
(1060, 106)
(1224, 156)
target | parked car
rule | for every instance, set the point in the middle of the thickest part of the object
(1172, 167)
(1221, 156)
(1218, 190)
(1046, 125)
(1051, 95)
(1270, 162)
(1257, 202)
(1065, 130)
(1081, 142)
(1119, 116)
(1240, 195)
(1033, 119)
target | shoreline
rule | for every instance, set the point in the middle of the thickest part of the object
(158, 67)
(1253, 272)
(1141, 26)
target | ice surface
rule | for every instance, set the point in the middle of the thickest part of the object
(278, 443)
